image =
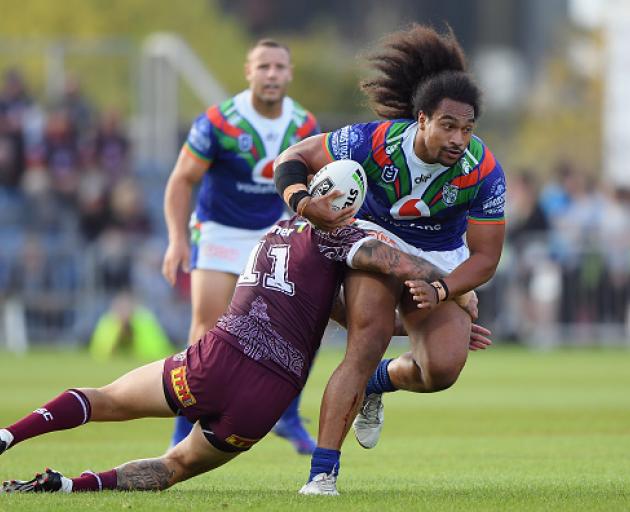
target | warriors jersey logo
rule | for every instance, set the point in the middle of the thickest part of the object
(180, 386)
(389, 174)
(449, 194)
(245, 142)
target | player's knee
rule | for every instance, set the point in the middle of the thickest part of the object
(364, 357)
(369, 322)
(368, 341)
(440, 376)
(105, 405)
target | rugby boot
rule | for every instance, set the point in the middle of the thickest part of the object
(322, 485)
(293, 431)
(369, 422)
(48, 481)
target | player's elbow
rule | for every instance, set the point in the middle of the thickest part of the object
(486, 269)
(177, 185)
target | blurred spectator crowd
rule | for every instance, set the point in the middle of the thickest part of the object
(79, 226)
(74, 227)
(565, 273)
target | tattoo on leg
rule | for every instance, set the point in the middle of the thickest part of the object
(144, 475)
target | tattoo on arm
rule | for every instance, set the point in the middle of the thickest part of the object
(144, 475)
(376, 256)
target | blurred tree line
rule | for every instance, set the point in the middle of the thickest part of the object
(101, 41)
(562, 117)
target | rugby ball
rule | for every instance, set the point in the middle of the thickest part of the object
(346, 176)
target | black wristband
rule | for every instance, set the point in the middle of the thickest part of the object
(291, 172)
(437, 294)
(296, 197)
(441, 281)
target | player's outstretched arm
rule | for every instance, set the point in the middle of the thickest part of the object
(485, 243)
(376, 256)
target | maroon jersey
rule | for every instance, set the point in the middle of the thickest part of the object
(284, 296)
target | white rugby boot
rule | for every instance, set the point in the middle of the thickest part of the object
(322, 484)
(47, 481)
(369, 421)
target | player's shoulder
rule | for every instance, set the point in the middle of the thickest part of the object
(223, 118)
(359, 139)
(478, 156)
(382, 131)
(305, 122)
(476, 149)
(219, 112)
(390, 127)
(300, 114)
(389, 133)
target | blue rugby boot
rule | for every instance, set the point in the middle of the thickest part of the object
(293, 431)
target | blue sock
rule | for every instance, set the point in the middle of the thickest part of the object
(380, 382)
(292, 411)
(324, 460)
(182, 429)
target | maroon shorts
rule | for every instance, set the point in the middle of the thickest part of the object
(236, 400)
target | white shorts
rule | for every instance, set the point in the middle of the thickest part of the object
(223, 248)
(446, 261)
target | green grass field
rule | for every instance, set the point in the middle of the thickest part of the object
(520, 431)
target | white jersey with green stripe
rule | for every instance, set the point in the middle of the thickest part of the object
(427, 205)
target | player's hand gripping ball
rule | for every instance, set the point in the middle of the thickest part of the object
(346, 176)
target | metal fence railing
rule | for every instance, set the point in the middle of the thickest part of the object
(547, 293)
(54, 293)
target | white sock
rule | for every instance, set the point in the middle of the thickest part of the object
(6, 436)
(66, 484)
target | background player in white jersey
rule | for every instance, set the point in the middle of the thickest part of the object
(433, 189)
(230, 151)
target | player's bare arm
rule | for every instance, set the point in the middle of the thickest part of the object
(418, 274)
(187, 173)
(485, 242)
(375, 256)
(293, 168)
